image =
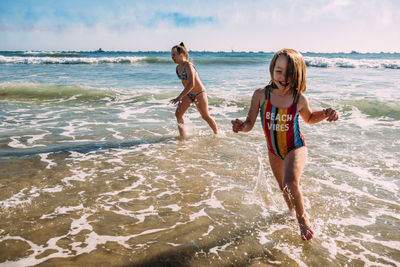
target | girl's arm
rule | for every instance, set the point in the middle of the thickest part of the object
(189, 83)
(312, 117)
(247, 125)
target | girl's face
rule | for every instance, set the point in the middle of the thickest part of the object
(176, 57)
(279, 73)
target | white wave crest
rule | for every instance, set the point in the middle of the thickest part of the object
(323, 62)
(68, 60)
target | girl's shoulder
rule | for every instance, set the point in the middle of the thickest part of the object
(260, 94)
(302, 100)
(190, 65)
(302, 97)
(262, 89)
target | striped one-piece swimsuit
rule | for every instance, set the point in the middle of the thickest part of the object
(281, 126)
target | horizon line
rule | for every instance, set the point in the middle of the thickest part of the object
(202, 51)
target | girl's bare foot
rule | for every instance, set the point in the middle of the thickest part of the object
(305, 228)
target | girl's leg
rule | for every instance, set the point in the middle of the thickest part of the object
(182, 107)
(294, 164)
(202, 106)
(277, 165)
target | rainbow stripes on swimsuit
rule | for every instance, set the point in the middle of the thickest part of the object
(281, 126)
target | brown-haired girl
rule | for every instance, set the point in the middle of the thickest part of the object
(280, 103)
(193, 91)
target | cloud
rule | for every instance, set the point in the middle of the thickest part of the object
(181, 20)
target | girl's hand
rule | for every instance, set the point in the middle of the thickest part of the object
(175, 100)
(237, 125)
(331, 114)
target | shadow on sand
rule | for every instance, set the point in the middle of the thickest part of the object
(191, 254)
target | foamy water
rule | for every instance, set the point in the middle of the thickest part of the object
(92, 171)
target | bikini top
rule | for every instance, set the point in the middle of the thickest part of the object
(182, 76)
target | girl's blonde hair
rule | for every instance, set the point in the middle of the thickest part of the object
(296, 69)
(181, 48)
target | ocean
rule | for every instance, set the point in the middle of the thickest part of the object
(92, 171)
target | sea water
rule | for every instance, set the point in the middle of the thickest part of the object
(92, 171)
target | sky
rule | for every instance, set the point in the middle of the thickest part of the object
(264, 25)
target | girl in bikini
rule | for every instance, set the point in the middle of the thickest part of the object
(193, 91)
(279, 104)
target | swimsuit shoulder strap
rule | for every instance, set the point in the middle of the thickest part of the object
(296, 97)
(267, 92)
(184, 69)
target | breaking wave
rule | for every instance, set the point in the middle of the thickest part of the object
(323, 62)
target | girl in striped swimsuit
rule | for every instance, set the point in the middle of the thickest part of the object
(279, 104)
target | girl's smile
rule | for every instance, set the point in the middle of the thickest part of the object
(284, 84)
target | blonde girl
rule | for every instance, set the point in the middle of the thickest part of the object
(193, 91)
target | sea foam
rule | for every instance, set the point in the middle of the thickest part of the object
(324, 62)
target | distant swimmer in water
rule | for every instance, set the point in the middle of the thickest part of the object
(279, 104)
(193, 91)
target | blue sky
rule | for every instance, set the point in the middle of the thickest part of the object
(265, 25)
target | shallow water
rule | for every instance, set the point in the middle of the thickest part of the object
(92, 171)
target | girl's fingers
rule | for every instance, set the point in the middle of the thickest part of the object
(236, 124)
(332, 116)
(236, 121)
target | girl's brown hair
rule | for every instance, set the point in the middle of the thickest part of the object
(181, 48)
(296, 69)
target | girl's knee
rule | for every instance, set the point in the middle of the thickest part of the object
(290, 187)
(178, 115)
(206, 117)
(180, 120)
